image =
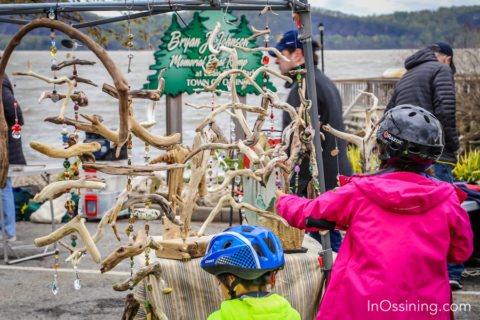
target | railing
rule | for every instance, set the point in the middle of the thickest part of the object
(382, 88)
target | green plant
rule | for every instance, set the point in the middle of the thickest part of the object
(468, 168)
(353, 154)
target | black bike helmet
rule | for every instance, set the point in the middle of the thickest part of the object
(410, 133)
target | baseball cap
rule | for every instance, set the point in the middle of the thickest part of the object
(290, 40)
(445, 49)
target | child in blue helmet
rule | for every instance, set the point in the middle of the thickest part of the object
(245, 259)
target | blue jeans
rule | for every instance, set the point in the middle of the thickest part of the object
(8, 204)
(443, 171)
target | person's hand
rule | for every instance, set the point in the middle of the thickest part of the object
(279, 193)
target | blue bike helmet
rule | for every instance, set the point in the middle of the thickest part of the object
(247, 252)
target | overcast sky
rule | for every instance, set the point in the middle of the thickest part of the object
(370, 7)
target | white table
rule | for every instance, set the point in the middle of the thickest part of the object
(23, 171)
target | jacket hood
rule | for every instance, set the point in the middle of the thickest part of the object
(419, 57)
(404, 192)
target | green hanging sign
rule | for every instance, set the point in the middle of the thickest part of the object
(184, 51)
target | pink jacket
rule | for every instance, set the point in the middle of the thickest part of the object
(402, 230)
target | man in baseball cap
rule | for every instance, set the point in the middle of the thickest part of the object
(444, 54)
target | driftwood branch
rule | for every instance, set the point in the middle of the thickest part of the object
(229, 175)
(131, 307)
(78, 97)
(77, 224)
(73, 151)
(59, 186)
(233, 106)
(153, 95)
(82, 80)
(67, 63)
(153, 269)
(125, 251)
(157, 199)
(227, 200)
(130, 170)
(212, 146)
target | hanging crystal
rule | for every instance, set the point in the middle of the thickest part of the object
(51, 14)
(16, 128)
(16, 131)
(55, 274)
(147, 151)
(76, 283)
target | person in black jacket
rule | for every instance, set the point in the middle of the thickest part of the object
(15, 156)
(329, 106)
(429, 83)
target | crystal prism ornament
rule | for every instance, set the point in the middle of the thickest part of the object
(55, 287)
(16, 135)
(77, 284)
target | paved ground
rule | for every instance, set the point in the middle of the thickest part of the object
(25, 288)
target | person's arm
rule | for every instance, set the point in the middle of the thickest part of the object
(444, 105)
(461, 239)
(335, 206)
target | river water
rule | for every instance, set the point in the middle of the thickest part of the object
(338, 65)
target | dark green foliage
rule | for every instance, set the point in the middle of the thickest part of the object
(398, 30)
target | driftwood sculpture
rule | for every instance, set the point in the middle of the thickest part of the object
(119, 80)
(366, 143)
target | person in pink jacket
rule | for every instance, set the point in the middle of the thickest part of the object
(402, 228)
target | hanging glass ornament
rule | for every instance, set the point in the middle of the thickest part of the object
(76, 282)
(75, 108)
(55, 274)
(232, 131)
(278, 181)
(16, 128)
(16, 131)
(147, 152)
(297, 175)
(51, 14)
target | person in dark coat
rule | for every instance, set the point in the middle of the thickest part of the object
(15, 156)
(429, 83)
(329, 106)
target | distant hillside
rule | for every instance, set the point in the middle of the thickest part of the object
(459, 26)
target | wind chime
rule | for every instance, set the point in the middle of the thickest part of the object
(69, 168)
